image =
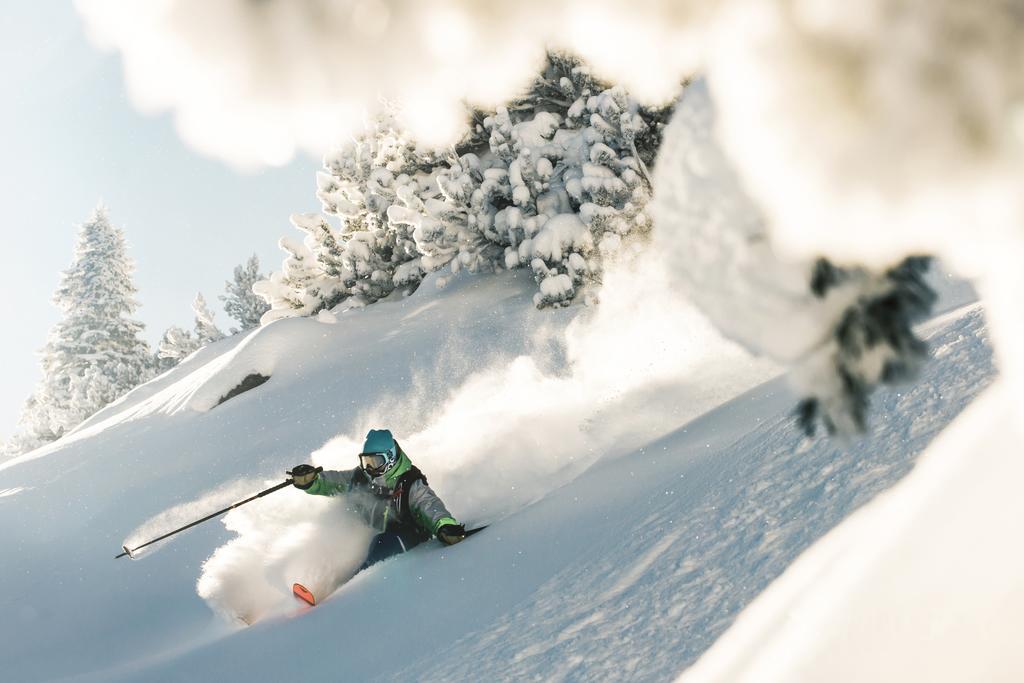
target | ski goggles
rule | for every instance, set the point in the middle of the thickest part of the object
(376, 463)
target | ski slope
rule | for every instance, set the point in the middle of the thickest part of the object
(643, 479)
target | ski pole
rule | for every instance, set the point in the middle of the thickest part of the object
(286, 482)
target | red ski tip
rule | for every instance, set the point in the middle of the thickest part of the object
(302, 593)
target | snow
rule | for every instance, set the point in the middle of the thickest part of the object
(684, 531)
(624, 506)
(254, 84)
(864, 133)
(326, 317)
(894, 159)
(912, 150)
(560, 234)
(921, 583)
(731, 269)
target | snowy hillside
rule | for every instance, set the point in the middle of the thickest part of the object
(751, 438)
(643, 481)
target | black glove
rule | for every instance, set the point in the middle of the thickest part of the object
(303, 476)
(450, 534)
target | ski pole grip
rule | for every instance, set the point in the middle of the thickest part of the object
(318, 470)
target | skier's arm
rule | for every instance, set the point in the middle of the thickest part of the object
(331, 483)
(427, 509)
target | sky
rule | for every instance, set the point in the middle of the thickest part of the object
(69, 137)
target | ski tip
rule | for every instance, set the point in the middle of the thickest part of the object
(302, 593)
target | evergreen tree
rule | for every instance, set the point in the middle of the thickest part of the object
(95, 354)
(556, 181)
(34, 430)
(206, 330)
(301, 287)
(873, 342)
(240, 301)
(553, 181)
(370, 255)
(361, 181)
(175, 345)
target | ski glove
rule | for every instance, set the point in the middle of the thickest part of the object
(450, 534)
(303, 476)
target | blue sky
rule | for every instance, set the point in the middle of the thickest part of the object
(68, 138)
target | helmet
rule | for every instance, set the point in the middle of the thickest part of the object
(380, 453)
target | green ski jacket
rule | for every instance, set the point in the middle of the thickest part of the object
(379, 503)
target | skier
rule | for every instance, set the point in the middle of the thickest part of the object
(390, 493)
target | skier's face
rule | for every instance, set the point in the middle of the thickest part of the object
(376, 464)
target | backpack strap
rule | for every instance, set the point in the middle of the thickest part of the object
(402, 487)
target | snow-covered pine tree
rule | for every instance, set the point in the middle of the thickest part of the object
(872, 343)
(240, 301)
(176, 343)
(34, 429)
(95, 353)
(369, 256)
(555, 181)
(302, 287)
(329, 280)
(206, 330)
(360, 182)
(174, 346)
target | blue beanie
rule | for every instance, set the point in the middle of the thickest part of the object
(378, 441)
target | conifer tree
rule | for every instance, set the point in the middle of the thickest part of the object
(175, 345)
(206, 330)
(555, 181)
(360, 183)
(240, 301)
(301, 287)
(95, 354)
